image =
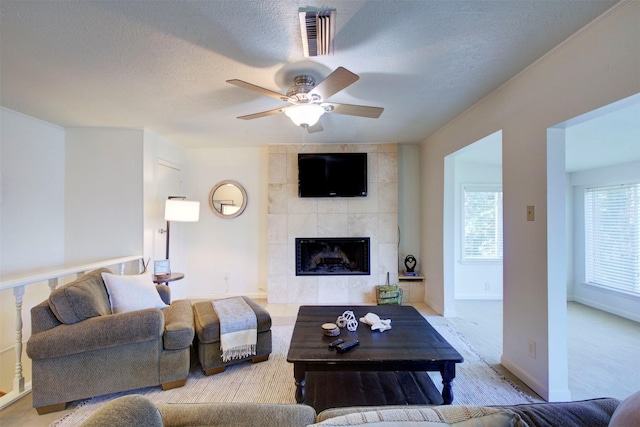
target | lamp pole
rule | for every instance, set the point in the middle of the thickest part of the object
(169, 224)
(167, 251)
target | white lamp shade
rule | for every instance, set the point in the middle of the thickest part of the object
(181, 210)
(305, 114)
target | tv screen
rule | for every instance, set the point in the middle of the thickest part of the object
(332, 175)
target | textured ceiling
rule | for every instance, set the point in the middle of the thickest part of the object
(162, 65)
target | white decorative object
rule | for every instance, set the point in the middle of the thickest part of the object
(375, 322)
(348, 320)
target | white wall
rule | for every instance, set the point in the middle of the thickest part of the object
(32, 198)
(69, 196)
(103, 194)
(409, 204)
(594, 68)
(614, 302)
(158, 149)
(227, 256)
(31, 220)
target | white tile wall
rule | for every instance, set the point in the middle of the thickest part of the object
(375, 216)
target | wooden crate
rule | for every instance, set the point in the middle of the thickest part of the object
(388, 295)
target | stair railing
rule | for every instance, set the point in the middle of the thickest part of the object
(54, 278)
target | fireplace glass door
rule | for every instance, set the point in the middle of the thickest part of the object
(323, 256)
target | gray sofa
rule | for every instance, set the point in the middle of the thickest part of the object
(79, 349)
(137, 410)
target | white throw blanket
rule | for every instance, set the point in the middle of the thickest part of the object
(238, 328)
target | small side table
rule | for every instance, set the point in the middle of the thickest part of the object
(170, 278)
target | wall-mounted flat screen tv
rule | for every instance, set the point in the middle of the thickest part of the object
(332, 175)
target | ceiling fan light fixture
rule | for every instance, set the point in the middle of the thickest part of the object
(305, 115)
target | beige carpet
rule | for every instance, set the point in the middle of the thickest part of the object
(603, 348)
(272, 381)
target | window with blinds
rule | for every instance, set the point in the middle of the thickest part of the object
(482, 224)
(612, 237)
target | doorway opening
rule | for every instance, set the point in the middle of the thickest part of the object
(473, 223)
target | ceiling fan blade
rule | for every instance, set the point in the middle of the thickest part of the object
(263, 114)
(356, 110)
(334, 83)
(258, 89)
(315, 128)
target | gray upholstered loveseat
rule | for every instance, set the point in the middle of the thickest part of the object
(80, 349)
(137, 410)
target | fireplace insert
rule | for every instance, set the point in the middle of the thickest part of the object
(320, 256)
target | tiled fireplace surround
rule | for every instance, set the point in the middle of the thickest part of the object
(374, 216)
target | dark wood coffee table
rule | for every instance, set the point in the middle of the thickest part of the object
(412, 347)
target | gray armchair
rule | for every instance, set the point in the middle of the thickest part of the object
(79, 349)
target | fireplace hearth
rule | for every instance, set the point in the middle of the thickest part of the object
(322, 256)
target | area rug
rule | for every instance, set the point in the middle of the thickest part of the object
(476, 382)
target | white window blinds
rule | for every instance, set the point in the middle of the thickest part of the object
(612, 221)
(482, 237)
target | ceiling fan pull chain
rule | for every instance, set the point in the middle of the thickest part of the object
(304, 136)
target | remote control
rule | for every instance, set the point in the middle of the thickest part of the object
(332, 344)
(347, 345)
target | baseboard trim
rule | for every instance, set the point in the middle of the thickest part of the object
(433, 306)
(492, 297)
(12, 396)
(561, 395)
(524, 376)
(609, 308)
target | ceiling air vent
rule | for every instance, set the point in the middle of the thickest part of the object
(318, 29)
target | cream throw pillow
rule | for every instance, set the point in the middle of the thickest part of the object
(437, 416)
(131, 293)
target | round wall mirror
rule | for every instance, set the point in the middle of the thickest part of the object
(227, 199)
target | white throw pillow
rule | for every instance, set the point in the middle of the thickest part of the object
(131, 293)
(436, 416)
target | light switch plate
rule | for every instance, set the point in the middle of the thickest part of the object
(530, 213)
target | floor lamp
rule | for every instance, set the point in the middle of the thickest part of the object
(178, 209)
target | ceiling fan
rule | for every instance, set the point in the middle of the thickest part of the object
(310, 101)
